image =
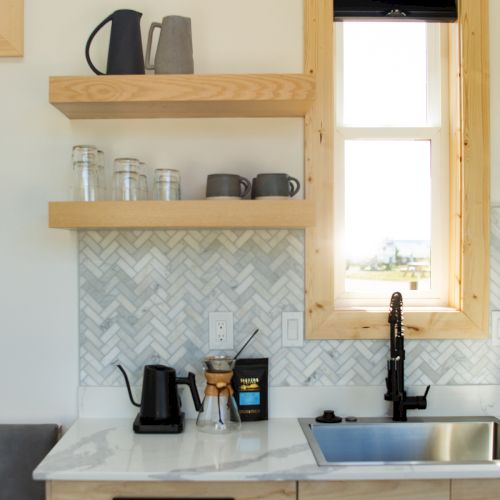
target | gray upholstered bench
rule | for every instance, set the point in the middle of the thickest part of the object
(22, 448)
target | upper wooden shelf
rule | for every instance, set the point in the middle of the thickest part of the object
(181, 214)
(182, 96)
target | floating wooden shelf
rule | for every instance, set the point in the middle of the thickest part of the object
(182, 214)
(182, 96)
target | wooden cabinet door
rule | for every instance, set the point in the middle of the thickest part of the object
(374, 490)
(475, 489)
(109, 490)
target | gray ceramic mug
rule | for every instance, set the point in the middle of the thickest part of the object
(227, 186)
(275, 186)
(174, 54)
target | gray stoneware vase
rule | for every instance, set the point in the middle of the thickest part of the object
(174, 53)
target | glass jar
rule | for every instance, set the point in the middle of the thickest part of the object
(167, 184)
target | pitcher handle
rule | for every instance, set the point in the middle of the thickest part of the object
(89, 42)
(294, 188)
(150, 42)
(246, 186)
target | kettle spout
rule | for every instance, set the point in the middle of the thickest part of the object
(128, 386)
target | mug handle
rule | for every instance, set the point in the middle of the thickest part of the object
(89, 42)
(246, 184)
(148, 47)
(294, 189)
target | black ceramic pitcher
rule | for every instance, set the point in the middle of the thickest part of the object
(125, 56)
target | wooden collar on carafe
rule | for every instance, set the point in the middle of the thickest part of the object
(218, 383)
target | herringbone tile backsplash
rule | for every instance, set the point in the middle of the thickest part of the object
(145, 298)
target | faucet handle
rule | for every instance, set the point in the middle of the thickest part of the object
(417, 402)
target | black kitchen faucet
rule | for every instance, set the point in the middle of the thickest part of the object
(395, 380)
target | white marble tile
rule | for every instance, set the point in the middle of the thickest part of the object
(145, 298)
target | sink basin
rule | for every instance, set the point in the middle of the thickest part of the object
(420, 440)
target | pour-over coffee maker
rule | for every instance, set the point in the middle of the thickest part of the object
(219, 412)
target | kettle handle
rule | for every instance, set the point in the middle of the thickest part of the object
(190, 381)
(87, 50)
(150, 65)
(128, 385)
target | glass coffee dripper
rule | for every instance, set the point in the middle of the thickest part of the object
(219, 412)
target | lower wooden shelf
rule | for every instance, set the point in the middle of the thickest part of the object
(181, 214)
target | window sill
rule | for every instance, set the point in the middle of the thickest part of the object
(371, 324)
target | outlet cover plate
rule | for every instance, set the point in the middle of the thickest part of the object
(213, 343)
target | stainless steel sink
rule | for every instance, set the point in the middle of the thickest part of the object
(420, 440)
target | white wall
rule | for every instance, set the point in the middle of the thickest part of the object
(38, 266)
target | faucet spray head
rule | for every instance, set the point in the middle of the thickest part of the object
(395, 310)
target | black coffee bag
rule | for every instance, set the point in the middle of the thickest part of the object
(250, 388)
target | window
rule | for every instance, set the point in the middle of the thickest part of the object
(465, 311)
(391, 160)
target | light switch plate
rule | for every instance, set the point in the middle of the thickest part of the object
(292, 329)
(495, 328)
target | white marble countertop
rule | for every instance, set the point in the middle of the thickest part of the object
(108, 450)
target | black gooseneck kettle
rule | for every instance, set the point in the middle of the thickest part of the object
(160, 408)
(125, 55)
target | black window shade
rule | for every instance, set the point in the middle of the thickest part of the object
(442, 11)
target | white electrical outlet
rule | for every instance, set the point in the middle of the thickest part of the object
(220, 331)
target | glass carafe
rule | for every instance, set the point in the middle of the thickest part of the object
(219, 412)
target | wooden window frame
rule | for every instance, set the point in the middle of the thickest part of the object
(468, 311)
(11, 28)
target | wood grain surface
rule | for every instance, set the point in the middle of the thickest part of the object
(374, 490)
(174, 96)
(475, 489)
(108, 490)
(11, 28)
(182, 214)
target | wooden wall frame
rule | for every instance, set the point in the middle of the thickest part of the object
(109, 490)
(468, 311)
(11, 28)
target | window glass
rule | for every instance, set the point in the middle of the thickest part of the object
(387, 215)
(384, 74)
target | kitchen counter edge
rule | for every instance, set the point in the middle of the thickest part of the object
(274, 450)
